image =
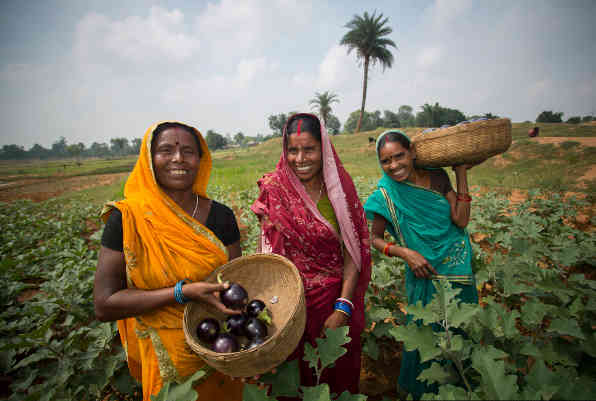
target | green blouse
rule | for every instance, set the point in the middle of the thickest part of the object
(326, 209)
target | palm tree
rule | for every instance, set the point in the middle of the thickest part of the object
(322, 102)
(365, 35)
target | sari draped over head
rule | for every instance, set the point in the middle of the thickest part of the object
(420, 219)
(162, 245)
(293, 226)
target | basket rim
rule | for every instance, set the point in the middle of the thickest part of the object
(207, 353)
(421, 136)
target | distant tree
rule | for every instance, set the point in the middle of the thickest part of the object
(405, 115)
(99, 149)
(549, 117)
(12, 152)
(322, 102)
(436, 116)
(239, 138)
(370, 121)
(118, 146)
(215, 141)
(428, 116)
(136, 145)
(38, 152)
(59, 148)
(587, 119)
(277, 122)
(390, 119)
(574, 120)
(366, 36)
(490, 116)
(333, 125)
(76, 150)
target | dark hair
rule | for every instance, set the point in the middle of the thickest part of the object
(309, 124)
(394, 136)
(164, 126)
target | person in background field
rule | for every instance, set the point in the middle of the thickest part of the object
(310, 213)
(427, 220)
(158, 244)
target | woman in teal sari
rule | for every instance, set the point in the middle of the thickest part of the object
(427, 220)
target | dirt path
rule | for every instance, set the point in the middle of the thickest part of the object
(586, 141)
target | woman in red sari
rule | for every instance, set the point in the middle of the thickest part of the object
(310, 213)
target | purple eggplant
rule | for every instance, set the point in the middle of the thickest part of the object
(225, 343)
(207, 330)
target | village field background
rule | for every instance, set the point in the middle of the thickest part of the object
(533, 223)
(561, 159)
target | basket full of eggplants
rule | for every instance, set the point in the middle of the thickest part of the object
(267, 292)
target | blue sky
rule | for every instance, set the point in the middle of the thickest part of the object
(95, 70)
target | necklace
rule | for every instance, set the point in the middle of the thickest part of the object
(196, 207)
(320, 192)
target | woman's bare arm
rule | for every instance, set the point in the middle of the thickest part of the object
(114, 301)
(417, 263)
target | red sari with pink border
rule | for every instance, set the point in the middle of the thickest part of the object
(292, 226)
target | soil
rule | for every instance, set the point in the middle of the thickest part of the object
(585, 141)
(39, 190)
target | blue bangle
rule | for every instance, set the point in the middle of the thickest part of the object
(178, 295)
(343, 307)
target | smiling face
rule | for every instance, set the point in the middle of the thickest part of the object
(175, 156)
(397, 162)
(305, 156)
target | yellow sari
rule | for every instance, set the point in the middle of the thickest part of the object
(162, 244)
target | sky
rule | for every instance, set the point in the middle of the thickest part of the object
(94, 70)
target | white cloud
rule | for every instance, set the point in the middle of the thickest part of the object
(247, 69)
(428, 57)
(160, 37)
(336, 69)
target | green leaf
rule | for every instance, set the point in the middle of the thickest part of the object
(371, 348)
(566, 327)
(286, 381)
(330, 347)
(462, 314)
(434, 373)
(311, 355)
(542, 380)
(252, 392)
(316, 393)
(346, 396)
(496, 384)
(425, 313)
(451, 392)
(421, 338)
(179, 392)
(376, 314)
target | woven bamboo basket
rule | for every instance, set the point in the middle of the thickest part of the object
(471, 143)
(272, 279)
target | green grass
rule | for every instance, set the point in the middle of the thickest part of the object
(14, 170)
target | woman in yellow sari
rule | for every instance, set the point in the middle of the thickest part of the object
(158, 245)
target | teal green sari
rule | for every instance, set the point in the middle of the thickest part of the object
(420, 219)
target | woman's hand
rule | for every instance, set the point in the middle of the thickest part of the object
(208, 292)
(335, 320)
(418, 264)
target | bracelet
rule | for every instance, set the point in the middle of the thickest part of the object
(464, 197)
(178, 294)
(347, 301)
(343, 308)
(386, 249)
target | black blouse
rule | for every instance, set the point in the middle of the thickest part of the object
(221, 221)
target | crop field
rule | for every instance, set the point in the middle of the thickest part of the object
(533, 230)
